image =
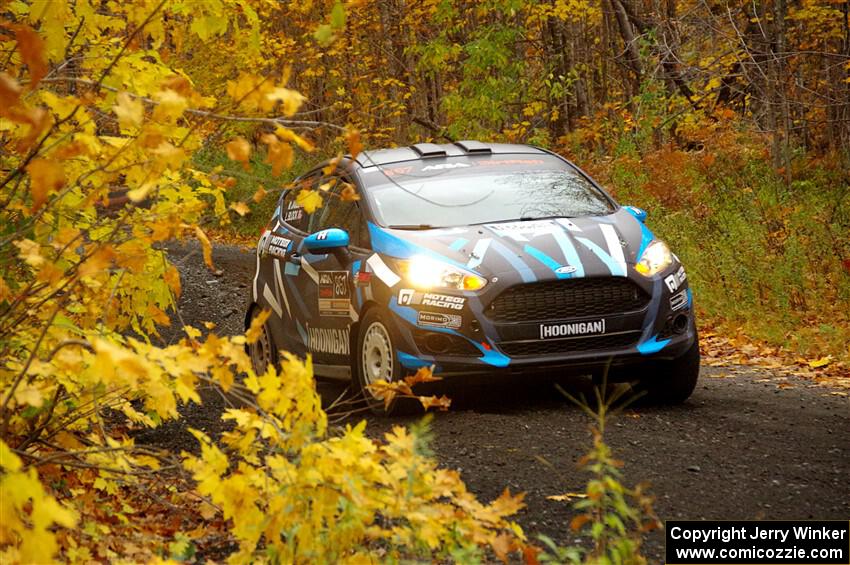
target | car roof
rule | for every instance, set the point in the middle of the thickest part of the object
(464, 148)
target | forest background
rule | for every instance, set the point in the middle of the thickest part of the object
(126, 125)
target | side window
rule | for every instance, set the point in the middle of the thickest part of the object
(339, 213)
(293, 214)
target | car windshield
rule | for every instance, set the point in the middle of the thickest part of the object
(479, 191)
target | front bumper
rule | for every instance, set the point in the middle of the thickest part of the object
(663, 329)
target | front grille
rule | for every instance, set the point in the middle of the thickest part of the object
(580, 344)
(564, 299)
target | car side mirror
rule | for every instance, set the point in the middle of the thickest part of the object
(638, 213)
(331, 240)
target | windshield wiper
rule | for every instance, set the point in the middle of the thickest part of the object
(412, 227)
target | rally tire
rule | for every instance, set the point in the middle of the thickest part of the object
(671, 382)
(375, 358)
(264, 351)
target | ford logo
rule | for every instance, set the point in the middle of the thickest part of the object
(565, 270)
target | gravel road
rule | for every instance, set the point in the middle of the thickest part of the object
(740, 448)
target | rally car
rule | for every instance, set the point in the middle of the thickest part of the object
(472, 258)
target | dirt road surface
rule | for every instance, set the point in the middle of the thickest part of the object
(740, 448)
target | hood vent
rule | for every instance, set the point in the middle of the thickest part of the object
(474, 147)
(429, 150)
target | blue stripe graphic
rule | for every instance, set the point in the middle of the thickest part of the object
(645, 238)
(524, 271)
(301, 332)
(652, 345)
(386, 243)
(458, 243)
(570, 253)
(616, 268)
(409, 361)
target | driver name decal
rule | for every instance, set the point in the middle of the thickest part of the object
(548, 331)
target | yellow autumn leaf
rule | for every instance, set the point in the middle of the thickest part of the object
(280, 157)
(240, 208)
(822, 362)
(238, 149)
(330, 168)
(130, 110)
(566, 497)
(31, 48)
(168, 155)
(28, 394)
(259, 194)
(256, 330)
(352, 140)
(30, 252)
(291, 100)
(170, 106)
(46, 176)
(206, 247)
(140, 193)
(5, 291)
(286, 134)
(349, 193)
(310, 200)
(99, 260)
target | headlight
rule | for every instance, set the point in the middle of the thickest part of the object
(656, 257)
(424, 272)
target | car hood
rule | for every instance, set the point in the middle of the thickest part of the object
(537, 249)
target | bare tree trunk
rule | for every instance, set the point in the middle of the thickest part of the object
(631, 50)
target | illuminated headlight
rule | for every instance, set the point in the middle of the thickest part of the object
(656, 257)
(424, 272)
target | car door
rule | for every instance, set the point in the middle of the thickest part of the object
(279, 265)
(327, 281)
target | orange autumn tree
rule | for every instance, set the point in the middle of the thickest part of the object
(105, 103)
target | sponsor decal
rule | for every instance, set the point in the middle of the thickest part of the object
(328, 340)
(503, 162)
(271, 244)
(529, 226)
(443, 301)
(334, 295)
(565, 270)
(576, 328)
(439, 319)
(322, 235)
(405, 297)
(521, 231)
(675, 280)
(388, 171)
(277, 246)
(679, 300)
(443, 166)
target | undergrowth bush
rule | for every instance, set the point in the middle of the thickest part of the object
(764, 254)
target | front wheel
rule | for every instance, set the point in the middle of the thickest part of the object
(671, 382)
(376, 360)
(263, 352)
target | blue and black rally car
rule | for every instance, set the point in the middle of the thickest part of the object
(474, 258)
